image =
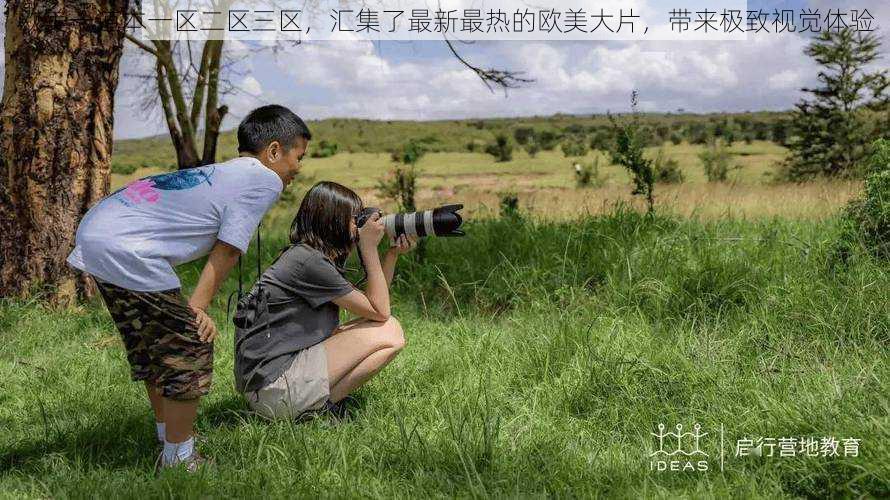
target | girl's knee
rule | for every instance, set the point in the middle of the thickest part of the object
(393, 334)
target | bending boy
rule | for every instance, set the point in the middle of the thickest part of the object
(131, 240)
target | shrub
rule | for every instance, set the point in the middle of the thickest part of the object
(123, 168)
(716, 161)
(410, 153)
(587, 174)
(501, 148)
(574, 146)
(667, 170)
(548, 140)
(523, 135)
(676, 138)
(628, 152)
(601, 139)
(532, 147)
(400, 185)
(324, 149)
(509, 206)
(866, 221)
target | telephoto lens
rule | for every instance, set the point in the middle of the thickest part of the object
(441, 221)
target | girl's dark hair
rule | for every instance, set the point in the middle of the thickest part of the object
(323, 220)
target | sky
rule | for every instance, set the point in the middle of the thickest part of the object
(423, 81)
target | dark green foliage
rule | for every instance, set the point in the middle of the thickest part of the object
(532, 147)
(717, 162)
(574, 146)
(601, 139)
(676, 138)
(832, 129)
(501, 148)
(667, 170)
(628, 152)
(866, 221)
(123, 168)
(548, 139)
(509, 206)
(400, 184)
(523, 135)
(411, 152)
(324, 149)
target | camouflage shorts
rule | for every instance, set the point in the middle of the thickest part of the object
(161, 338)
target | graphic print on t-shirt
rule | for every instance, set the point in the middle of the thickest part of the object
(148, 189)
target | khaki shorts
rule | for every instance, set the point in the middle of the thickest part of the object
(302, 387)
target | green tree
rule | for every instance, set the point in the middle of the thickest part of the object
(628, 152)
(501, 148)
(831, 129)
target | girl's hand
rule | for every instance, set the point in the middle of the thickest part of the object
(370, 234)
(403, 244)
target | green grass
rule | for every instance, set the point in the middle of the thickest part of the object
(540, 357)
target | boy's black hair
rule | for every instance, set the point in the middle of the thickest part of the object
(270, 123)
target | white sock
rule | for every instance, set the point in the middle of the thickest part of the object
(177, 452)
(162, 431)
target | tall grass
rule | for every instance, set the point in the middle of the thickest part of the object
(540, 357)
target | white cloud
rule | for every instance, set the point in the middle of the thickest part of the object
(358, 79)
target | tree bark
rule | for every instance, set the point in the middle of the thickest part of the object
(62, 59)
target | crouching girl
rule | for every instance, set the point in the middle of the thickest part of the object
(291, 353)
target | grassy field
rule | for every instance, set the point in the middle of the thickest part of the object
(543, 350)
(541, 356)
(545, 184)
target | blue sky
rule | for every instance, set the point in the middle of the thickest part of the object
(421, 80)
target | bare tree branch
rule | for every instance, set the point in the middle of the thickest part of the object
(504, 79)
(139, 43)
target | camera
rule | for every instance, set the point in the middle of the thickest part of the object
(441, 221)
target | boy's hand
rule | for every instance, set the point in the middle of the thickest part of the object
(402, 244)
(207, 331)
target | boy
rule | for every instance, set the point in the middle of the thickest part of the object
(131, 240)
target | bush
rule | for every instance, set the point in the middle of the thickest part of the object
(324, 149)
(866, 221)
(410, 153)
(667, 170)
(601, 139)
(628, 153)
(548, 140)
(523, 135)
(716, 161)
(587, 174)
(123, 168)
(574, 147)
(509, 206)
(676, 138)
(532, 147)
(501, 148)
(400, 185)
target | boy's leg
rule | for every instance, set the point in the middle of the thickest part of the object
(180, 416)
(358, 351)
(157, 405)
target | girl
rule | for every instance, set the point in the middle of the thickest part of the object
(291, 354)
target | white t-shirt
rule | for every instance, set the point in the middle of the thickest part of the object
(134, 236)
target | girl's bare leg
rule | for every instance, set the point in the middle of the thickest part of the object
(359, 350)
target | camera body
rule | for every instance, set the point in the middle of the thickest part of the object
(441, 221)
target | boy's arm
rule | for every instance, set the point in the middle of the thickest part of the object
(222, 259)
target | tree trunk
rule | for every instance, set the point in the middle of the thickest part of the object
(62, 60)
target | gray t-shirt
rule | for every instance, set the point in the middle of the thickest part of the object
(298, 313)
(134, 236)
